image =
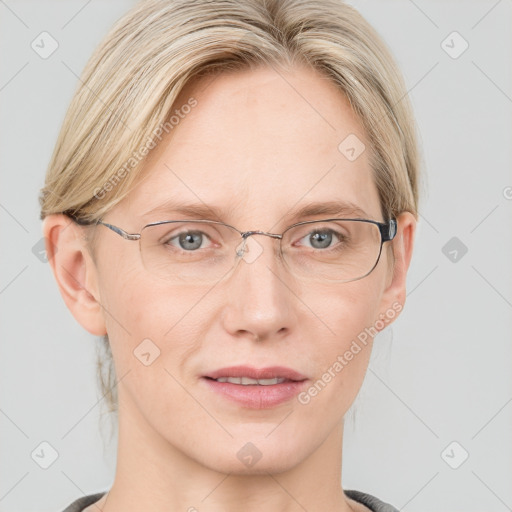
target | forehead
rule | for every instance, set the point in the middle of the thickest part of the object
(258, 143)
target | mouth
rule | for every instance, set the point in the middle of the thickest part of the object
(256, 388)
(247, 381)
(247, 375)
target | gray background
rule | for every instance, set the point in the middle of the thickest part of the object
(440, 374)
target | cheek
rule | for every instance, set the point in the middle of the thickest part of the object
(347, 309)
(153, 330)
(343, 340)
(163, 327)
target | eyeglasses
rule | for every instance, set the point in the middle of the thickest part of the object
(203, 251)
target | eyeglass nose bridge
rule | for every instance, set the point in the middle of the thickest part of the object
(246, 234)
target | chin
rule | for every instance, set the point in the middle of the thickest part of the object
(275, 464)
(252, 455)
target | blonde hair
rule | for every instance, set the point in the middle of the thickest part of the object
(131, 82)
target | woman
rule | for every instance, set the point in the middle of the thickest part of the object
(205, 133)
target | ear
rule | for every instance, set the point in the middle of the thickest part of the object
(394, 295)
(74, 271)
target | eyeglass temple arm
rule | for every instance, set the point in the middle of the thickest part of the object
(119, 231)
(122, 232)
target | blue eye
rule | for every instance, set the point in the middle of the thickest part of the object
(188, 240)
(322, 238)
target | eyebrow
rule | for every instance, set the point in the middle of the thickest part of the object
(202, 211)
(336, 208)
(191, 210)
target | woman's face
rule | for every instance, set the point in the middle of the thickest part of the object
(258, 145)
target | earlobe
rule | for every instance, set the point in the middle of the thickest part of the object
(75, 271)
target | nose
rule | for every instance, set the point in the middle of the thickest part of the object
(260, 292)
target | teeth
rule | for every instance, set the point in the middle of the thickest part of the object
(247, 381)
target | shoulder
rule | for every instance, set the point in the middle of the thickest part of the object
(80, 504)
(371, 502)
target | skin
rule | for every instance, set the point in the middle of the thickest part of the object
(260, 142)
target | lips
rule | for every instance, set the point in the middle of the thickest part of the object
(255, 388)
(271, 372)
